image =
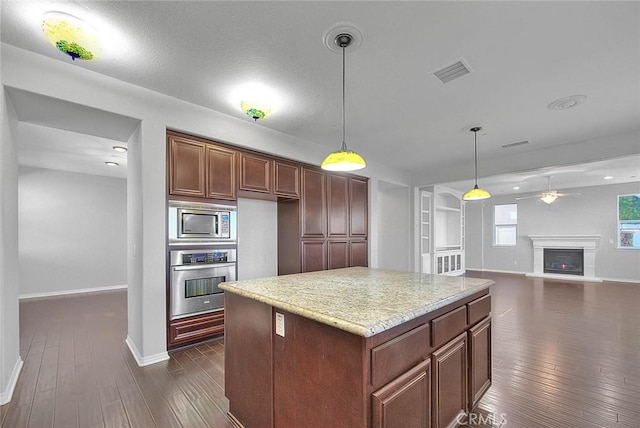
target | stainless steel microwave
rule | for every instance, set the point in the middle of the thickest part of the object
(191, 222)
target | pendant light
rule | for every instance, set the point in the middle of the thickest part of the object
(476, 193)
(343, 159)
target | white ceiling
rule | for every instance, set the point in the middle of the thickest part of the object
(523, 56)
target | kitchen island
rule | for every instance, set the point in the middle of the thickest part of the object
(356, 347)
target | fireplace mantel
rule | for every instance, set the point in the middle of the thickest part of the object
(588, 243)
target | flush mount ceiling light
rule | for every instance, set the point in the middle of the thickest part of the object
(476, 193)
(119, 149)
(111, 163)
(343, 159)
(255, 110)
(71, 35)
(567, 102)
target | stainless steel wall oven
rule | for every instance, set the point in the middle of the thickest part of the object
(194, 279)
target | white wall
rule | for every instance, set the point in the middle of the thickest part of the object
(10, 361)
(394, 227)
(73, 231)
(592, 213)
(157, 112)
(257, 238)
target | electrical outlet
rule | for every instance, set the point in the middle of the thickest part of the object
(279, 324)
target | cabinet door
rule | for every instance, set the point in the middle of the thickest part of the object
(314, 256)
(358, 207)
(286, 179)
(338, 254)
(406, 401)
(358, 253)
(186, 167)
(450, 382)
(313, 204)
(480, 360)
(337, 206)
(255, 173)
(221, 173)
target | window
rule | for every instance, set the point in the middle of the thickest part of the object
(505, 221)
(629, 221)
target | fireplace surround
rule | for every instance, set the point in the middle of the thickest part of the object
(587, 243)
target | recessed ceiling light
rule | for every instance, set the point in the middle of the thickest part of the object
(608, 177)
(567, 102)
(516, 187)
(111, 163)
(119, 149)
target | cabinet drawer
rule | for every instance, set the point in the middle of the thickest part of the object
(479, 308)
(398, 355)
(449, 325)
(196, 327)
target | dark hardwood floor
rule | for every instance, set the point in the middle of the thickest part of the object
(565, 354)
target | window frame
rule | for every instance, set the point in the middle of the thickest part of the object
(618, 230)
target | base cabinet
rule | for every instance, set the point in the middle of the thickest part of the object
(450, 383)
(197, 327)
(406, 401)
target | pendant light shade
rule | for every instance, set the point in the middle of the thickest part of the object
(476, 193)
(343, 159)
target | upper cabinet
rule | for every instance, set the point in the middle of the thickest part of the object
(186, 167)
(286, 179)
(314, 214)
(221, 173)
(359, 208)
(338, 205)
(255, 173)
(199, 169)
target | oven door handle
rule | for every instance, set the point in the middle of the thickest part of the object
(207, 266)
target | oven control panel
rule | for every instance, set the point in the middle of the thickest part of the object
(181, 258)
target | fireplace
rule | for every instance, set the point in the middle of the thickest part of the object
(568, 261)
(578, 267)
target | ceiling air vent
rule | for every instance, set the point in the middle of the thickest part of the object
(519, 143)
(452, 72)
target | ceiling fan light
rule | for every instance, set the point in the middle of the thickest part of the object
(476, 194)
(548, 198)
(343, 160)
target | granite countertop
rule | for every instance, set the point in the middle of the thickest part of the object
(359, 300)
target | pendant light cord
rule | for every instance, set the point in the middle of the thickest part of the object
(344, 144)
(475, 154)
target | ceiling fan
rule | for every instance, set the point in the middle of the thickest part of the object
(550, 195)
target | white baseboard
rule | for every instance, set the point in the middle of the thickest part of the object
(66, 292)
(5, 396)
(145, 361)
(497, 271)
(575, 278)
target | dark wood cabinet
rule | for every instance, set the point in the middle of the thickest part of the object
(221, 173)
(358, 207)
(406, 401)
(337, 206)
(200, 170)
(186, 167)
(314, 255)
(338, 254)
(450, 380)
(255, 173)
(479, 360)
(313, 213)
(186, 330)
(358, 253)
(286, 179)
